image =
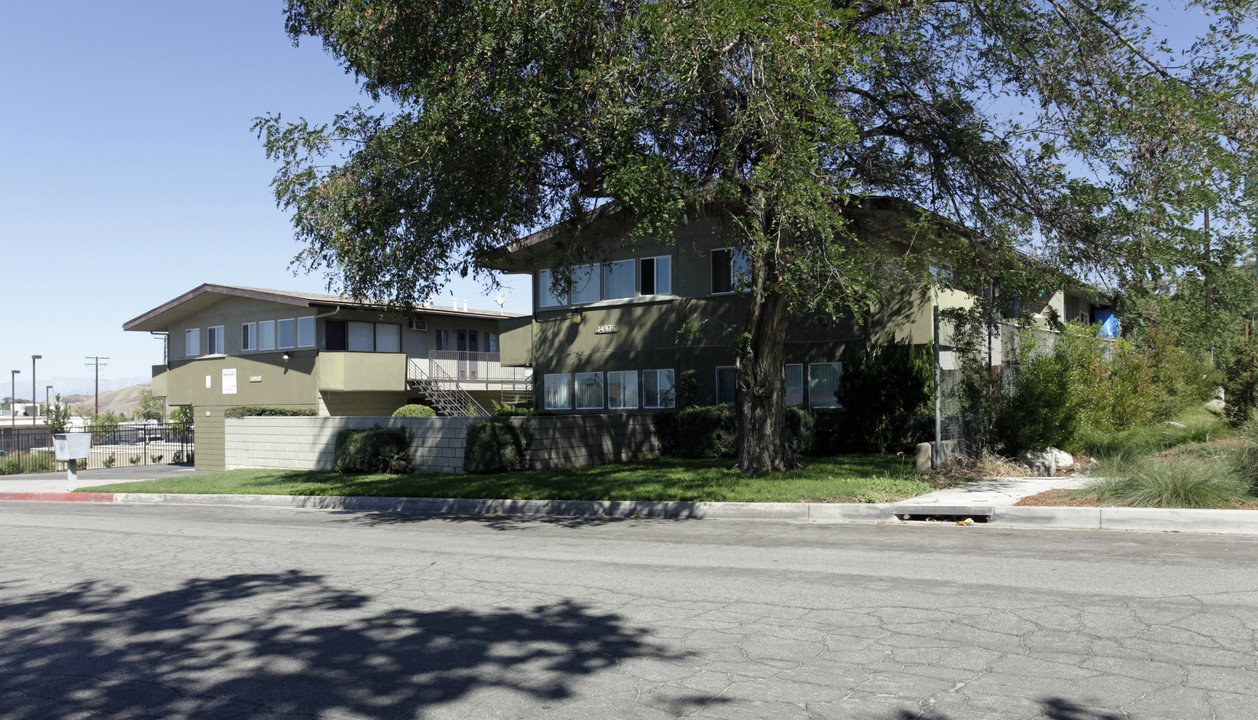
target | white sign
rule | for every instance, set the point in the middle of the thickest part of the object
(255, 378)
(229, 381)
(209, 382)
(605, 330)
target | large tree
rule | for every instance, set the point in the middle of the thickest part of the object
(1067, 127)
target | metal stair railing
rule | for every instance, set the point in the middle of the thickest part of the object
(443, 391)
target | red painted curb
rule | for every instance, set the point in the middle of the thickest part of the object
(59, 496)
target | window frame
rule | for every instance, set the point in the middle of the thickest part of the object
(215, 340)
(192, 342)
(735, 279)
(263, 325)
(633, 278)
(249, 337)
(576, 390)
(834, 403)
(670, 395)
(633, 395)
(655, 275)
(803, 396)
(717, 395)
(313, 331)
(567, 388)
(279, 334)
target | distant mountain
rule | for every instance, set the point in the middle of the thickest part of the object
(82, 386)
(123, 401)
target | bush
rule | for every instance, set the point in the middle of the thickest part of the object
(20, 464)
(1039, 413)
(494, 447)
(264, 411)
(799, 429)
(708, 431)
(886, 393)
(667, 432)
(413, 410)
(376, 450)
(1241, 387)
(1182, 483)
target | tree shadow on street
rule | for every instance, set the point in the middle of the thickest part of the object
(503, 522)
(1052, 708)
(287, 644)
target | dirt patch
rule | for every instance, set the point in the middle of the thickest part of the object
(1063, 498)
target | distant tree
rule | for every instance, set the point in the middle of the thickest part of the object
(152, 407)
(1068, 127)
(57, 416)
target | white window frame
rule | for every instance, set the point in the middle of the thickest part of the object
(263, 327)
(279, 334)
(717, 379)
(617, 269)
(655, 272)
(192, 342)
(215, 341)
(832, 402)
(803, 396)
(576, 390)
(556, 381)
(248, 337)
(592, 274)
(307, 322)
(544, 293)
(662, 398)
(629, 395)
(441, 339)
(737, 281)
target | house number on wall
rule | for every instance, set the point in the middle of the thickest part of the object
(604, 329)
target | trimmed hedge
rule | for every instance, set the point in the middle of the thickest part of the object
(414, 411)
(494, 447)
(264, 411)
(375, 450)
(712, 431)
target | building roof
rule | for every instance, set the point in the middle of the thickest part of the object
(207, 294)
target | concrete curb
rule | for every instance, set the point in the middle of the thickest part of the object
(1087, 518)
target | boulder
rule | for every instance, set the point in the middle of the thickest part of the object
(1061, 458)
(1040, 463)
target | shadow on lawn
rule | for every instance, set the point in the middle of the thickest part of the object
(288, 644)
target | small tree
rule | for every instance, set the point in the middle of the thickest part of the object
(152, 407)
(57, 416)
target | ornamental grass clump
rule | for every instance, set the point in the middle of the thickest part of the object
(1185, 482)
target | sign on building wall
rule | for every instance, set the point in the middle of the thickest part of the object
(229, 381)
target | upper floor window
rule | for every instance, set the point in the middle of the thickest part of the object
(287, 331)
(618, 280)
(585, 284)
(730, 270)
(657, 275)
(359, 336)
(216, 343)
(248, 336)
(306, 331)
(266, 335)
(192, 342)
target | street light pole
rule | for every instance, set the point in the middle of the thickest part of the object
(47, 393)
(35, 417)
(13, 397)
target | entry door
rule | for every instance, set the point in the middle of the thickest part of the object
(467, 346)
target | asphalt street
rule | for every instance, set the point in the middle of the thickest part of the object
(231, 612)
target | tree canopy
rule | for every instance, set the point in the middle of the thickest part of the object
(1071, 129)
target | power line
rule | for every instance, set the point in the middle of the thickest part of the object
(96, 360)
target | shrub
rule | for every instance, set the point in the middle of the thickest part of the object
(1182, 483)
(501, 410)
(109, 461)
(19, 464)
(1241, 387)
(886, 393)
(667, 432)
(1039, 413)
(708, 431)
(375, 450)
(494, 447)
(134, 459)
(800, 423)
(265, 411)
(413, 410)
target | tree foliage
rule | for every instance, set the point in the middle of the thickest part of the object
(1070, 128)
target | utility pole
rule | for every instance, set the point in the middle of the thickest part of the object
(96, 360)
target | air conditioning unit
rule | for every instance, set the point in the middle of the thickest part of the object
(417, 325)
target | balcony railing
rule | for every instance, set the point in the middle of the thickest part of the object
(472, 367)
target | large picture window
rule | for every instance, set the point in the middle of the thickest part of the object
(287, 331)
(192, 342)
(589, 386)
(266, 335)
(658, 390)
(558, 391)
(730, 270)
(622, 390)
(823, 381)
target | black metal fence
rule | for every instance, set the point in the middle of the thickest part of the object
(29, 450)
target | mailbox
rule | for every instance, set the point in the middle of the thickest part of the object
(71, 446)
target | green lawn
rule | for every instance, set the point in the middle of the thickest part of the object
(846, 478)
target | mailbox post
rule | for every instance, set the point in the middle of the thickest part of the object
(68, 448)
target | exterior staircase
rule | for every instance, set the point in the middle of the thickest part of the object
(442, 392)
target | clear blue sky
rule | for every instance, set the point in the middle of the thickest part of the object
(129, 174)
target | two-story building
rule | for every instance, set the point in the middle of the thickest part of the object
(641, 316)
(229, 346)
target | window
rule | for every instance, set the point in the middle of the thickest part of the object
(249, 336)
(491, 342)
(442, 339)
(306, 332)
(794, 384)
(657, 275)
(729, 270)
(585, 284)
(266, 335)
(467, 341)
(335, 335)
(589, 390)
(618, 280)
(558, 392)
(362, 336)
(545, 294)
(192, 342)
(726, 384)
(287, 330)
(823, 380)
(657, 389)
(622, 390)
(388, 337)
(215, 342)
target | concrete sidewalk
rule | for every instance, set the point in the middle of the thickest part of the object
(990, 502)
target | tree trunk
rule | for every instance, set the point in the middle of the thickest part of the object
(761, 370)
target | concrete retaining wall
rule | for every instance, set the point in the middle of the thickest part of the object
(307, 443)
